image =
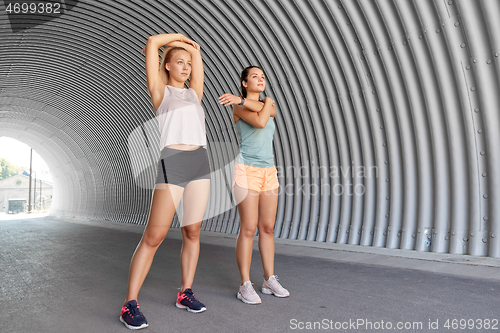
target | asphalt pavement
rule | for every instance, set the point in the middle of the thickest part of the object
(69, 275)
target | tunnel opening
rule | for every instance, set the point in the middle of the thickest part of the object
(26, 185)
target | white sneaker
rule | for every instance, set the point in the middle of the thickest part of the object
(272, 286)
(247, 294)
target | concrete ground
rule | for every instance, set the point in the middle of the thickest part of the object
(67, 275)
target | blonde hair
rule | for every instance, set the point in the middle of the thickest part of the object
(167, 55)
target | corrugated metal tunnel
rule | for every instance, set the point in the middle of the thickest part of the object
(388, 125)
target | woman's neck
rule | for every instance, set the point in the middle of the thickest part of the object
(175, 83)
(253, 96)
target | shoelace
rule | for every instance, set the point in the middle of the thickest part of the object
(250, 288)
(277, 280)
(189, 294)
(134, 311)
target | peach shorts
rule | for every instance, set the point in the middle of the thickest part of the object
(255, 178)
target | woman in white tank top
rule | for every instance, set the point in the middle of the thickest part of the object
(183, 169)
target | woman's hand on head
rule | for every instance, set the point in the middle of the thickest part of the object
(186, 40)
(194, 45)
(229, 99)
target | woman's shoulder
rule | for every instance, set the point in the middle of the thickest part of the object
(192, 91)
(193, 95)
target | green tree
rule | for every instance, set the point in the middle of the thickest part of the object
(8, 169)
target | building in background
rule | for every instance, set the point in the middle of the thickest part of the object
(14, 194)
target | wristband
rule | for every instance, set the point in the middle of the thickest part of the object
(242, 101)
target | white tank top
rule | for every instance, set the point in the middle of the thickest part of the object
(181, 118)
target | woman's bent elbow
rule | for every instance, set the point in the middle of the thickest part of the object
(151, 40)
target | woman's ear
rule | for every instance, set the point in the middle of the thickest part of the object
(245, 84)
(167, 67)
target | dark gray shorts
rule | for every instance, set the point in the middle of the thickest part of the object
(179, 167)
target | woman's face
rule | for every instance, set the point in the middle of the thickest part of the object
(179, 66)
(256, 81)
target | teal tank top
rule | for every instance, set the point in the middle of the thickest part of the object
(256, 147)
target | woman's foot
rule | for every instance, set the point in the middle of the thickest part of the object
(132, 316)
(272, 286)
(187, 300)
(247, 294)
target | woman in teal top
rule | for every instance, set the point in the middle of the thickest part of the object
(255, 182)
(256, 147)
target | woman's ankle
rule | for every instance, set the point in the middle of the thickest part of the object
(128, 300)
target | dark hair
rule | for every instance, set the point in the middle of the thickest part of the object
(244, 77)
(166, 58)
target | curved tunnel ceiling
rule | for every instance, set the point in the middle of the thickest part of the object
(388, 126)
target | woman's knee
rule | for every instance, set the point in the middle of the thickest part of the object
(266, 228)
(248, 232)
(191, 233)
(153, 239)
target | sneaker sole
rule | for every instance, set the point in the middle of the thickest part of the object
(180, 306)
(133, 327)
(268, 291)
(239, 296)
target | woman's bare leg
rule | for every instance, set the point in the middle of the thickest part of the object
(248, 208)
(163, 205)
(195, 202)
(268, 204)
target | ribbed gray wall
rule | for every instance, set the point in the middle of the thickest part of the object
(388, 125)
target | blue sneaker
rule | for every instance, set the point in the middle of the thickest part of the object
(132, 316)
(188, 301)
